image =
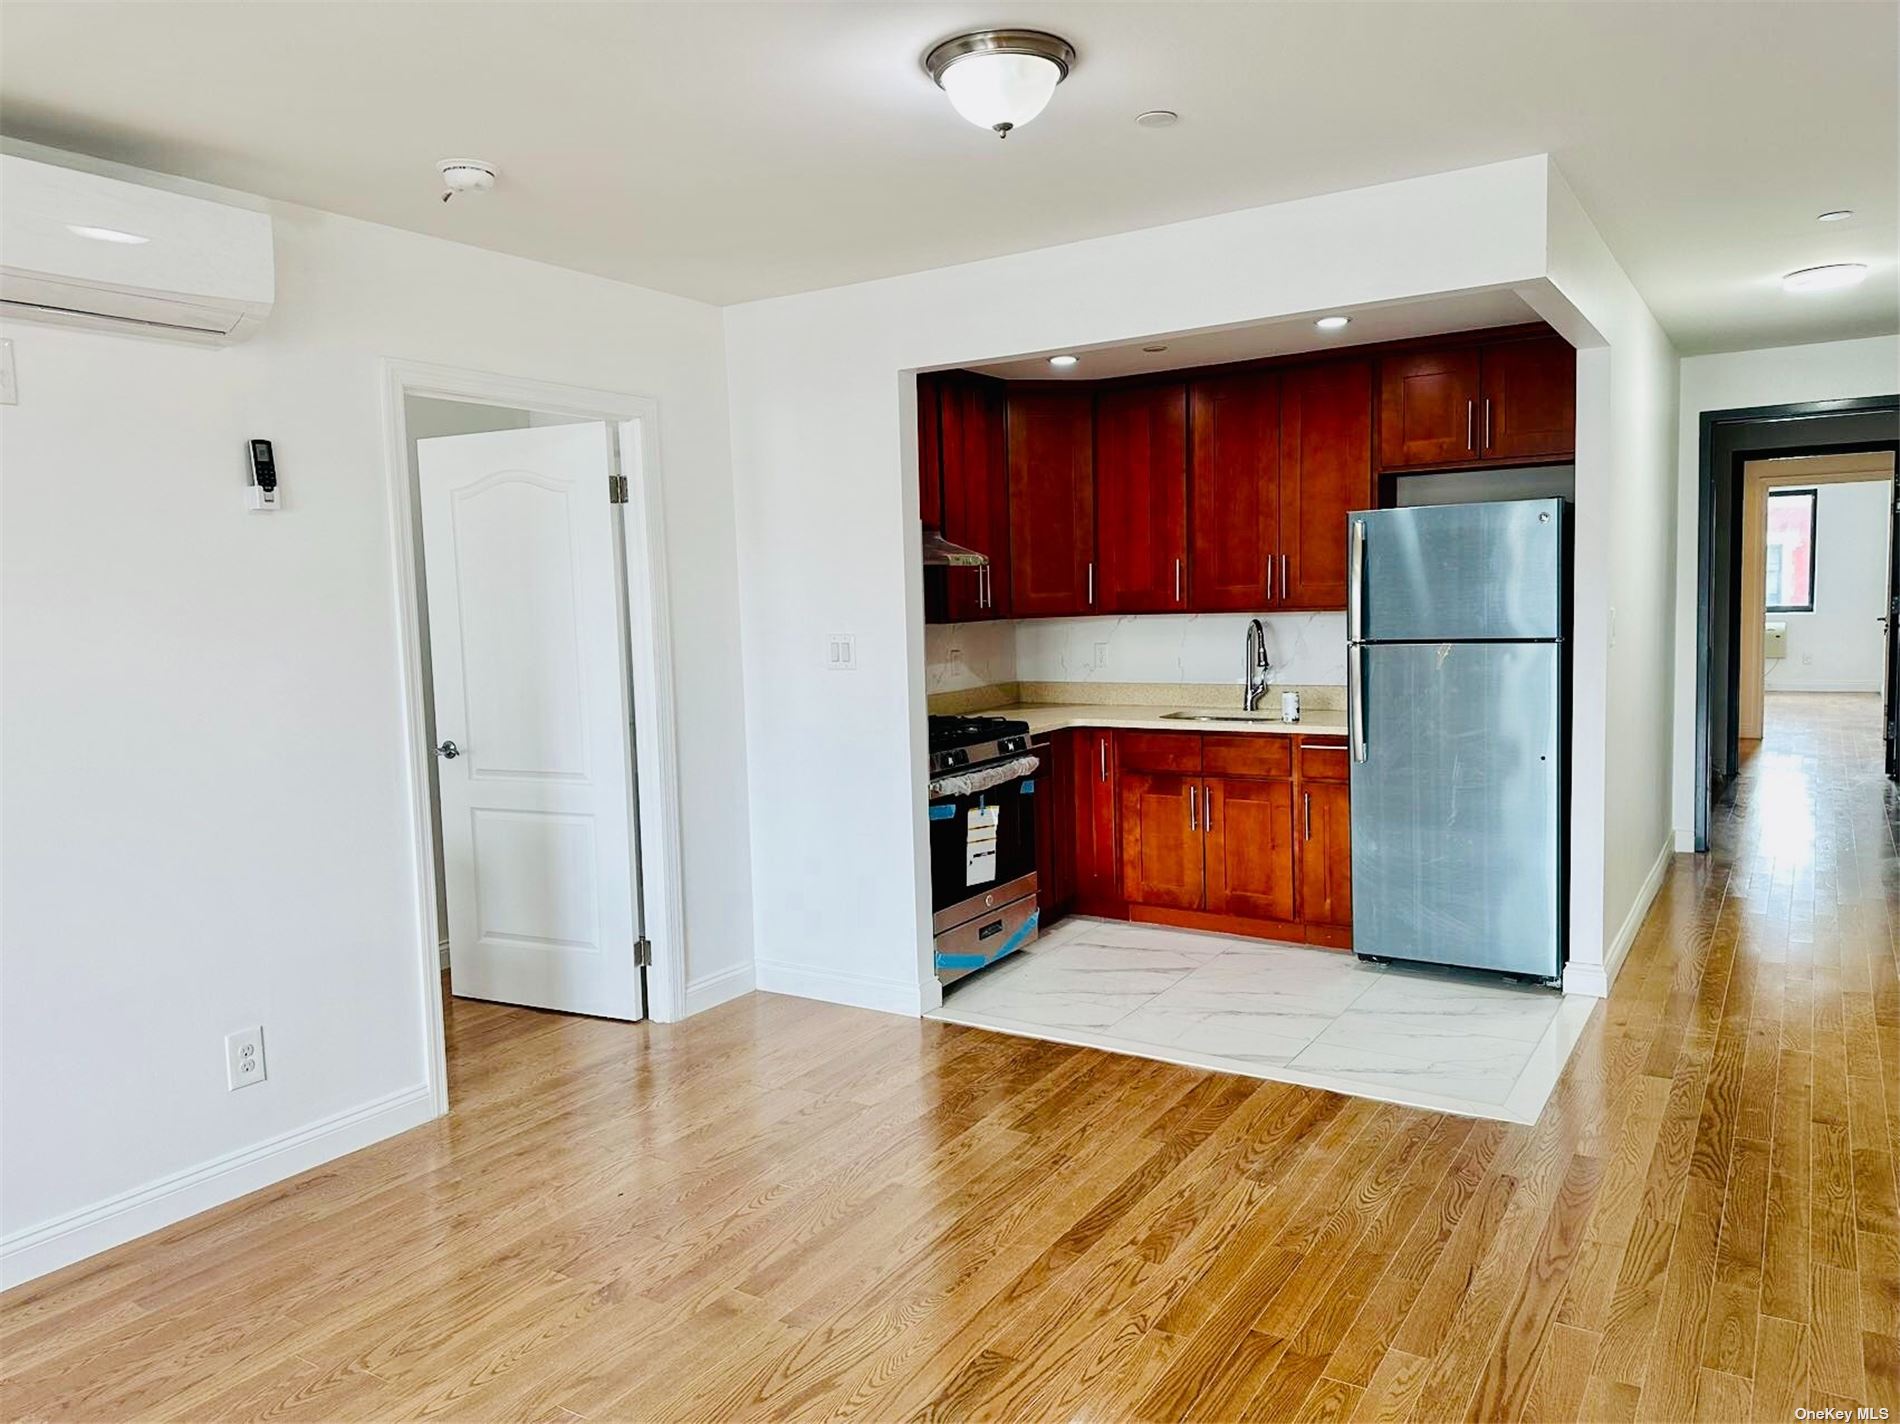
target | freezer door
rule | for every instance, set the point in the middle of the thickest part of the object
(1455, 809)
(1456, 572)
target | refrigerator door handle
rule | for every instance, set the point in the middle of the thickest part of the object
(1356, 701)
(1355, 585)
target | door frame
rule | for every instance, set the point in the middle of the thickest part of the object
(655, 751)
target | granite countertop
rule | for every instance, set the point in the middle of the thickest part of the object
(1054, 717)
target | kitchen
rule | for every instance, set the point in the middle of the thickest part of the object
(1108, 541)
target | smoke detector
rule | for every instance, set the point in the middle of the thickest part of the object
(465, 175)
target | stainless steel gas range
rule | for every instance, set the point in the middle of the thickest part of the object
(982, 841)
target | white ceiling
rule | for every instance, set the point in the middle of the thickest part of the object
(736, 150)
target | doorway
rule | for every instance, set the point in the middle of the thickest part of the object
(530, 562)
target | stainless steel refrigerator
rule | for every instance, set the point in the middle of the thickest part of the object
(1455, 691)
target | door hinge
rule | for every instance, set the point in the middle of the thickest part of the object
(616, 489)
(642, 953)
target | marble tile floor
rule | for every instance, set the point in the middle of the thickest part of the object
(1458, 1042)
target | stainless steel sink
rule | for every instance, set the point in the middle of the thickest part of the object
(1236, 715)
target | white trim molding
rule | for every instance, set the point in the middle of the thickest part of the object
(858, 991)
(1595, 980)
(711, 990)
(90, 1230)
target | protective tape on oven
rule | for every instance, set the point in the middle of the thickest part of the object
(982, 778)
(945, 812)
(1009, 946)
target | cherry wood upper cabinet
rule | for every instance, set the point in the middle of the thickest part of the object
(1162, 844)
(1325, 472)
(1529, 408)
(1141, 499)
(1051, 501)
(975, 495)
(1234, 488)
(930, 451)
(1428, 407)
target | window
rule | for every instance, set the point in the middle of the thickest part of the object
(1791, 550)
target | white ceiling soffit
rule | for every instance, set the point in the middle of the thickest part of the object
(732, 151)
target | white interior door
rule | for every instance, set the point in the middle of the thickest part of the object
(534, 747)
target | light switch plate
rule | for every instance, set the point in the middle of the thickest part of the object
(9, 387)
(841, 652)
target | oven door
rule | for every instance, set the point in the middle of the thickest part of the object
(980, 843)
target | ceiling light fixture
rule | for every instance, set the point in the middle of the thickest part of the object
(465, 175)
(1000, 79)
(1332, 323)
(1062, 363)
(1836, 215)
(1158, 119)
(106, 234)
(1151, 350)
(1832, 277)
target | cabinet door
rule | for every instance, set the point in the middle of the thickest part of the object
(930, 451)
(1428, 407)
(1141, 500)
(1325, 843)
(1529, 408)
(1325, 471)
(1250, 848)
(1233, 490)
(1098, 857)
(1056, 830)
(1051, 501)
(975, 495)
(1161, 840)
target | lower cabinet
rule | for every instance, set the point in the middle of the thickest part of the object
(1092, 829)
(1249, 838)
(1055, 850)
(1163, 857)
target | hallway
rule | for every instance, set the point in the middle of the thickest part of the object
(784, 1208)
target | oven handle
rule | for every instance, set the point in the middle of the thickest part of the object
(974, 780)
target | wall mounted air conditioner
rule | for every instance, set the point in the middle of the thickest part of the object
(77, 249)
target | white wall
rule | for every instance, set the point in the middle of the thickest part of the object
(1736, 380)
(1625, 563)
(205, 762)
(1838, 647)
(824, 470)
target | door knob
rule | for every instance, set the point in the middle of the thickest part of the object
(448, 751)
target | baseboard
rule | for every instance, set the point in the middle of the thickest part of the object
(859, 991)
(715, 989)
(1824, 687)
(1595, 979)
(90, 1230)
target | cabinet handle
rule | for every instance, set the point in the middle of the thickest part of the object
(1487, 422)
(1091, 583)
(1102, 747)
(1177, 580)
(1194, 808)
(1207, 808)
(1307, 798)
(1283, 578)
(1471, 408)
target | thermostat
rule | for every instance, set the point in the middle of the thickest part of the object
(262, 493)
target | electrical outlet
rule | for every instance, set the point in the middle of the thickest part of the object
(244, 1057)
(1100, 660)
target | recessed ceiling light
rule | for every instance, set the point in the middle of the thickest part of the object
(1062, 363)
(1837, 215)
(1151, 350)
(1000, 79)
(105, 234)
(1158, 119)
(1332, 323)
(1825, 279)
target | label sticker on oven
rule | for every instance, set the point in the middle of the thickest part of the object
(979, 859)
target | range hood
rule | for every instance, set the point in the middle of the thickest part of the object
(940, 553)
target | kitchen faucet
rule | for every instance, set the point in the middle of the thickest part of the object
(1256, 664)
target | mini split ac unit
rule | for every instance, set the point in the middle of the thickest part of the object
(77, 249)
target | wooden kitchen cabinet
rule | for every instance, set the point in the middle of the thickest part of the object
(1504, 401)
(1529, 401)
(1234, 489)
(1162, 846)
(1098, 856)
(1141, 499)
(1325, 472)
(930, 450)
(1051, 501)
(1325, 862)
(1249, 848)
(1428, 407)
(975, 499)
(1054, 799)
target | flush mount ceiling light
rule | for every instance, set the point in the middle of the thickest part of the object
(1836, 215)
(1000, 79)
(105, 234)
(1151, 350)
(1825, 279)
(1158, 119)
(1062, 363)
(465, 175)
(1332, 323)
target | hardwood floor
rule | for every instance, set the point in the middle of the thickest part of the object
(783, 1209)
